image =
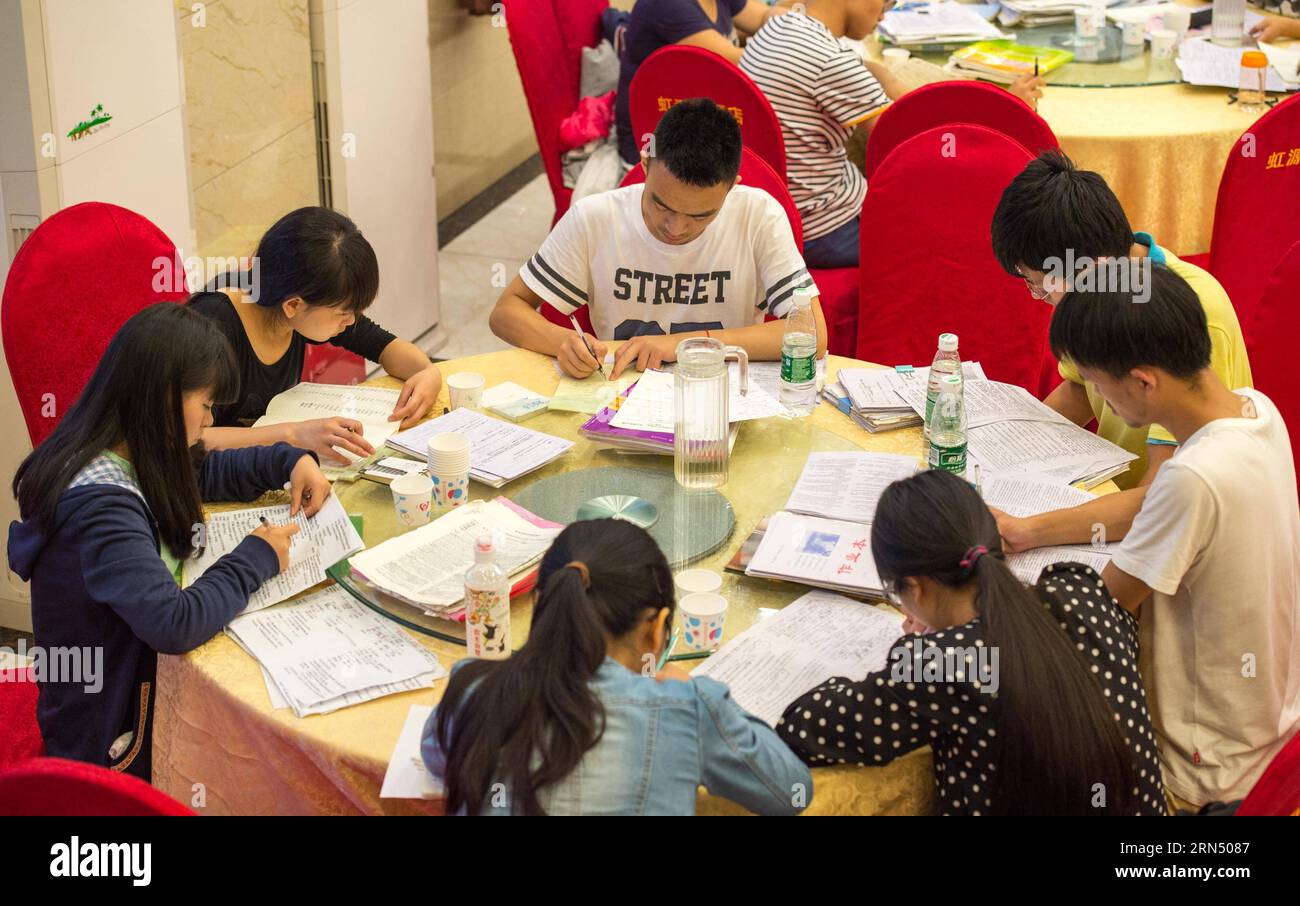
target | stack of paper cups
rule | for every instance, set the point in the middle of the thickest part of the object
(448, 460)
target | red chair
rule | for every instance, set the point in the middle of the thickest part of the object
(1255, 216)
(326, 364)
(57, 786)
(926, 263)
(73, 283)
(548, 37)
(679, 71)
(837, 288)
(961, 101)
(22, 735)
(1270, 341)
(1277, 791)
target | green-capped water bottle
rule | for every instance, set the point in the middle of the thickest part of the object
(948, 427)
(946, 361)
(799, 356)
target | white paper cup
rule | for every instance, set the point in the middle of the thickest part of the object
(695, 581)
(1134, 33)
(895, 55)
(450, 489)
(1088, 21)
(447, 452)
(1178, 19)
(1162, 44)
(466, 389)
(702, 618)
(413, 498)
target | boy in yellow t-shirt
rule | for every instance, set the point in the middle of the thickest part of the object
(1052, 222)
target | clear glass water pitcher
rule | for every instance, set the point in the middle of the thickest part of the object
(701, 453)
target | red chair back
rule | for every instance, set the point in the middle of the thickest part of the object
(326, 364)
(1277, 792)
(1256, 218)
(959, 101)
(22, 735)
(74, 282)
(1269, 343)
(926, 263)
(679, 71)
(548, 37)
(57, 786)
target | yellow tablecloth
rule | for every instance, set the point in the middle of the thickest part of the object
(215, 735)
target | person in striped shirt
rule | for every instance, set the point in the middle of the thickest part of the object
(822, 92)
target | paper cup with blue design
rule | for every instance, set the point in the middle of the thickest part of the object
(448, 459)
(702, 615)
(413, 499)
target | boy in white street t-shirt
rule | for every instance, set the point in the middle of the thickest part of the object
(1213, 556)
(685, 254)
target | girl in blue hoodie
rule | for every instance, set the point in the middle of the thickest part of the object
(111, 505)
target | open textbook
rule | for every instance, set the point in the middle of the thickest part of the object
(1030, 495)
(369, 405)
(824, 553)
(848, 485)
(426, 566)
(322, 541)
(819, 636)
(327, 650)
(499, 452)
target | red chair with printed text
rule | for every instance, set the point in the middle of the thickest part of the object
(57, 786)
(1256, 218)
(679, 71)
(926, 263)
(22, 735)
(958, 101)
(837, 288)
(75, 280)
(1270, 343)
(548, 37)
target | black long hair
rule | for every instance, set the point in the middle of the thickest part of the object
(532, 717)
(315, 254)
(1056, 735)
(135, 395)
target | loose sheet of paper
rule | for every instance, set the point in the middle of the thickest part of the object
(1028, 496)
(322, 541)
(427, 566)
(652, 404)
(820, 635)
(306, 401)
(498, 450)
(328, 650)
(847, 485)
(407, 777)
(1028, 564)
(988, 402)
(1205, 63)
(1030, 446)
(816, 550)
(589, 394)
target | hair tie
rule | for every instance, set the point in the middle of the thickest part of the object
(583, 572)
(972, 557)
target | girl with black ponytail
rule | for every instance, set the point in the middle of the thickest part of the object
(1030, 698)
(578, 721)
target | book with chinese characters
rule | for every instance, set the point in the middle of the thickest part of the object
(823, 553)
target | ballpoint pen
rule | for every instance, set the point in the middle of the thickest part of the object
(582, 336)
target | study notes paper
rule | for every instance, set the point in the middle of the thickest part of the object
(1028, 496)
(1027, 565)
(369, 405)
(499, 451)
(829, 553)
(1032, 446)
(651, 404)
(328, 650)
(589, 394)
(1205, 63)
(847, 486)
(407, 777)
(322, 541)
(888, 388)
(820, 635)
(426, 566)
(988, 402)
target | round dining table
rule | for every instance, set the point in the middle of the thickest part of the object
(219, 744)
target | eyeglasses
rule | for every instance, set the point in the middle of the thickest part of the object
(1038, 291)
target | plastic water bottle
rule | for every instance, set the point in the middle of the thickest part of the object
(487, 604)
(799, 356)
(948, 427)
(946, 361)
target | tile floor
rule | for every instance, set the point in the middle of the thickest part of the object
(477, 265)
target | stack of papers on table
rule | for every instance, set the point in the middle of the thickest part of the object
(1029, 496)
(819, 636)
(369, 405)
(1204, 63)
(499, 452)
(879, 396)
(823, 553)
(1058, 450)
(944, 23)
(509, 400)
(426, 566)
(322, 541)
(1033, 13)
(847, 486)
(328, 650)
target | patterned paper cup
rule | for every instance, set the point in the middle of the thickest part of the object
(413, 499)
(702, 617)
(450, 489)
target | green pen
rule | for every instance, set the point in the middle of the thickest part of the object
(672, 643)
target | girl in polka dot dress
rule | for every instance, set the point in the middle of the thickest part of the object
(1030, 698)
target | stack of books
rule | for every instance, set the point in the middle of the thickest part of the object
(1006, 61)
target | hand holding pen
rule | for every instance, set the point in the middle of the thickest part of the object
(578, 356)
